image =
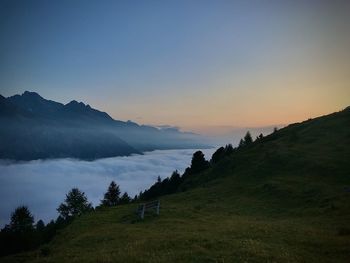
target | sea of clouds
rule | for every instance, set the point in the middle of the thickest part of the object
(43, 184)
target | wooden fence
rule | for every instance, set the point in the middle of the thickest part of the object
(154, 205)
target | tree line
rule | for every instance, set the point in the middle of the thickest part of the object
(174, 183)
(22, 234)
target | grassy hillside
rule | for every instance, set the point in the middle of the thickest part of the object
(285, 198)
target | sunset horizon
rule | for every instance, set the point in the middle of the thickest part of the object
(168, 131)
(187, 64)
(215, 129)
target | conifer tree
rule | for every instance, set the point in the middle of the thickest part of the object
(228, 149)
(174, 182)
(125, 199)
(75, 204)
(248, 138)
(241, 143)
(111, 197)
(198, 162)
(218, 155)
(135, 199)
(40, 225)
(22, 220)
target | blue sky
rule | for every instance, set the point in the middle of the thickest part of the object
(187, 63)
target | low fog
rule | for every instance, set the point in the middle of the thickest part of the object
(42, 184)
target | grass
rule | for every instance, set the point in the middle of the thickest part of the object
(280, 200)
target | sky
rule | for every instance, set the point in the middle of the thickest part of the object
(198, 65)
(42, 184)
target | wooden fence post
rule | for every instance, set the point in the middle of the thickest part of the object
(158, 205)
(143, 211)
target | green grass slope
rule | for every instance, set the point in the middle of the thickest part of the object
(285, 198)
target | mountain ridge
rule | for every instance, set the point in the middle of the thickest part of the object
(36, 128)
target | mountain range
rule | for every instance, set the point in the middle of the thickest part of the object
(36, 128)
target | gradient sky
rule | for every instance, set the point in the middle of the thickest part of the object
(192, 64)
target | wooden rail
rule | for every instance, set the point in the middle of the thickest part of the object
(154, 205)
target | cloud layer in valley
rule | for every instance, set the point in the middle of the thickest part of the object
(42, 184)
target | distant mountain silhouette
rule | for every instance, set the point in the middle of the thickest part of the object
(33, 103)
(36, 128)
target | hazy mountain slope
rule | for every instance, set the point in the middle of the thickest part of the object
(283, 199)
(41, 141)
(316, 147)
(33, 127)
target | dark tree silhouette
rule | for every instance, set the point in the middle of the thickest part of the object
(111, 197)
(218, 155)
(75, 204)
(248, 138)
(125, 199)
(241, 143)
(40, 225)
(155, 190)
(221, 153)
(20, 234)
(135, 199)
(168, 186)
(229, 149)
(174, 182)
(198, 162)
(21, 220)
(50, 230)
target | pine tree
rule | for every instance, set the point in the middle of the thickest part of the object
(135, 199)
(198, 162)
(140, 196)
(175, 177)
(20, 234)
(125, 199)
(228, 149)
(40, 225)
(174, 182)
(75, 204)
(241, 143)
(248, 138)
(22, 220)
(111, 197)
(218, 155)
